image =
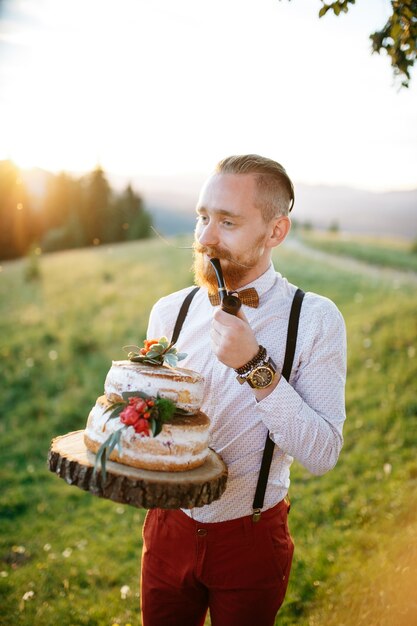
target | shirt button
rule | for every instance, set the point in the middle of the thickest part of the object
(202, 532)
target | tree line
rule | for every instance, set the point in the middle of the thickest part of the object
(71, 213)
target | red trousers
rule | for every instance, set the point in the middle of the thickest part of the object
(238, 569)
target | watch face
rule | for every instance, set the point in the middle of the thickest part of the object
(262, 377)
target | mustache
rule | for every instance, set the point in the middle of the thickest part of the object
(213, 251)
(218, 253)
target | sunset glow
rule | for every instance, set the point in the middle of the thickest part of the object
(167, 89)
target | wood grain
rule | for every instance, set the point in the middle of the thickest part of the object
(70, 459)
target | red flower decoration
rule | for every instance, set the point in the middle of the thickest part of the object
(129, 415)
(136, 414)
(139, 404)
(147, 345)
(142, 426)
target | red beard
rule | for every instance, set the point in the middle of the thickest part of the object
(234, 270)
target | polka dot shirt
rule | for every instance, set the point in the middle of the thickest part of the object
(304, 416)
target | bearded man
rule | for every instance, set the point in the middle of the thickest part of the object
(274, 380)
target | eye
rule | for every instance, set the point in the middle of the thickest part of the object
(203, 219)
(227, 223)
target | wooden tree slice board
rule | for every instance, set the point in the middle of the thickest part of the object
(70, 459)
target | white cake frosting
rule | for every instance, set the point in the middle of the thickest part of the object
(183, 441)
(184, 387)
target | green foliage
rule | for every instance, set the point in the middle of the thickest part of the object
(105, 450)
(33, 268)
(160, 353)
(336, 7)
(76, 552)
(158, 410)
(73, 213)
(19, 224)
(398, 37)
(166, 409)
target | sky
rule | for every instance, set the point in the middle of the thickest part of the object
(167, 88)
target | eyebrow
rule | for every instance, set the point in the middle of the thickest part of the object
(222, 212)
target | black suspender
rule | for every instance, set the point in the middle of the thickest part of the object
(183, 314)
(286, 371)
(292, 331)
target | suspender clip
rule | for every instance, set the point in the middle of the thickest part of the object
(256, 515)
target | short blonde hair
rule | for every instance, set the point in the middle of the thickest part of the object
(275, 190)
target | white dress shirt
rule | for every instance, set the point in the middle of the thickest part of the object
(304, 416)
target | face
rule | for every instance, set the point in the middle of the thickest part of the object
(231, 228)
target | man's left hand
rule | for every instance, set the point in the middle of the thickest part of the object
(233, 340)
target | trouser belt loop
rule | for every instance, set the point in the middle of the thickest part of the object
(256, 515)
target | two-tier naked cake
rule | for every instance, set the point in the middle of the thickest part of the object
(149, 416)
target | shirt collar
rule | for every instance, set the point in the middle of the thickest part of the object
(263, 283)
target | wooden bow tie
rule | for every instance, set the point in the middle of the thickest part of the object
(246, 296)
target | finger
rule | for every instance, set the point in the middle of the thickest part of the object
(219, 330)
(215, 335)
(225, 319)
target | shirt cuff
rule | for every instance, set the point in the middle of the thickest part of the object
(282, 403)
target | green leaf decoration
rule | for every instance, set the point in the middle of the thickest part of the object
(154, 426)
(104, 451)
(156, 350)
(157, 429)
(114, 405)
(116, 409)
(134, 394)
(99, 459)
(162, 411)
(131, 349)
(115, 440)
(166, 409)
(99, 454)
(171, 359)
(161, 353)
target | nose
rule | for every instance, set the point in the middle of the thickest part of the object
(207, 234)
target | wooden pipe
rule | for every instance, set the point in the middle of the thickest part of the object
(230, 304)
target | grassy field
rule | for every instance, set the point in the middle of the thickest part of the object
(385, 252)
(73, 559)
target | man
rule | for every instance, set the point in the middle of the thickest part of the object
(223, 556)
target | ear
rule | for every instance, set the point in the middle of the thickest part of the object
(279, 229)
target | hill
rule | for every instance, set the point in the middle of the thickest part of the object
(73, 559)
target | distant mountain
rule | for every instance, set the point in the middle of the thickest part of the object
(171, 222)
(390, 214)
(172, 200)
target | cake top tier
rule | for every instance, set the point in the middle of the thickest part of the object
(183, 386)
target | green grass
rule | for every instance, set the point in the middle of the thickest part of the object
(75, 552)
(394, 253)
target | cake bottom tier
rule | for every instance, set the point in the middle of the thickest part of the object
(181, 445)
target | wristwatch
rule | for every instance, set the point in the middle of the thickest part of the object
(260, 375)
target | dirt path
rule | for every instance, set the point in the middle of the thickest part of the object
(396, 277)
